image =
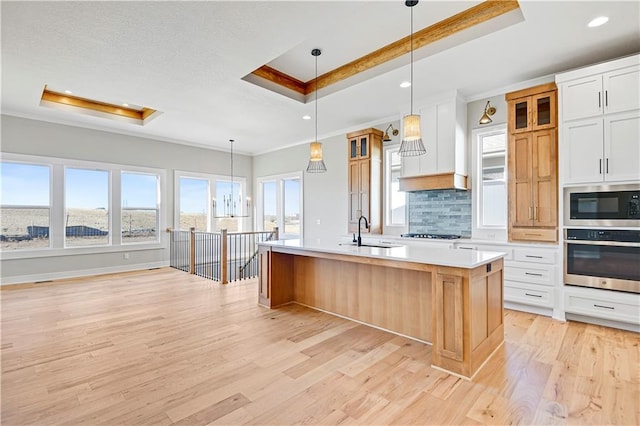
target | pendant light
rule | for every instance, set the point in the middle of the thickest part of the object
(316, 164)
(411, 138)
(230, 204)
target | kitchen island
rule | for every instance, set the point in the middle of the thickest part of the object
(449, 298)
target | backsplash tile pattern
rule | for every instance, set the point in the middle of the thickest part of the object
(446, 211)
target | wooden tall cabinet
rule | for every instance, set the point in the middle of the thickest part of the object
(365, 178)
(533, 164)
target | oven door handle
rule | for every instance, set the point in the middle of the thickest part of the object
(603, 243)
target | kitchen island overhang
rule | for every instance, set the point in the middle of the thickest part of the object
(447, 297)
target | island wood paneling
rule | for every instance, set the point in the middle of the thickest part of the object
(394, 299)
(450, 307)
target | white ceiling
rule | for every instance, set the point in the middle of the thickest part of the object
(187, 59)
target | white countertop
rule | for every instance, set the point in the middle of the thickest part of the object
(428, 255)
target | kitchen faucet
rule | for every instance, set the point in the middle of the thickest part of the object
(366, 226)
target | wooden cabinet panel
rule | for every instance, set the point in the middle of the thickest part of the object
(533, 164)
(365, 179)
(448, 310)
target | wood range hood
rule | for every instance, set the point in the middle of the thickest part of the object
(431, 182)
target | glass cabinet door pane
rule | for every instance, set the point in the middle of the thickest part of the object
(354, 148)
(544, 111)
(521, 115)
(363, 147)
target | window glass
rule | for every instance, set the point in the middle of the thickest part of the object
(24, 206)
(396, 200)
(494, 188)
(269, 205)
(291, 204)
(140, 218)
(86, 207)
(194, 196)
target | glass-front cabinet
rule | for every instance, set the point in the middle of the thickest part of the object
(359, 147)
(535, 112)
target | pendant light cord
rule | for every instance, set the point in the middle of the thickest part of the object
(316, 95)
(411, 46)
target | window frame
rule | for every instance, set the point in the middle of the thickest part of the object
(388, 227)
(479, 230)
(157, 208)
(279, 179)
(243, 221)
(57, 200)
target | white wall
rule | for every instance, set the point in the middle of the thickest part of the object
(24, 136)
(325, 194)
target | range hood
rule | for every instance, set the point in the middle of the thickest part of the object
(433, 182)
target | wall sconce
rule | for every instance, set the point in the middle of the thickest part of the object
(386, 137)
(488, 112)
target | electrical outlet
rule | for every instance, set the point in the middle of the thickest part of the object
(318, 222)
(125, 256)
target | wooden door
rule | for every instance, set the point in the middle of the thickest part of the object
(545, 180)
(354, 194)
(520, 180)
(365, 188)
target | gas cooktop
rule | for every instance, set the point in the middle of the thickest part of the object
(432, 236)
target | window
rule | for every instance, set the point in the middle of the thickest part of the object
(280, 204)
(140, 207)
(56, 206)
(194, 202)
(210, 203)
(489, 183)
(86, 207)
(395, 201)
(25, 206)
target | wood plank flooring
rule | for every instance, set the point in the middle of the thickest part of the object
(162, 347)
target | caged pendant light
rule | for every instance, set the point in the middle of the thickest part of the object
(316, 163)
(411, 138)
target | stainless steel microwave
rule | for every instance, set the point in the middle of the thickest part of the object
(602, 205)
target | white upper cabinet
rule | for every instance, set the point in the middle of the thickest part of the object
(602, 93)
(600, 122)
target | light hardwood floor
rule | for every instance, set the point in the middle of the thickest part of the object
(162, 347)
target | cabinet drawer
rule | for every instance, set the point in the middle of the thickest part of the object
(533, 234)
(544, 276)
(615, 310)
(535, 256)
(528, 294)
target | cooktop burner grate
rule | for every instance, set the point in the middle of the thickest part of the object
(432, 236)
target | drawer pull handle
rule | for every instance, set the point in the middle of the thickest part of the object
(530, 255)
(532, 295)
(465, 248)
(602, 306)
(532, 274)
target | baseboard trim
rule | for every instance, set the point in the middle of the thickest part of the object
(35, 278)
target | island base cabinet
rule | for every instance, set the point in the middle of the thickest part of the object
(275, 281)
(458, 310)
(468, 317)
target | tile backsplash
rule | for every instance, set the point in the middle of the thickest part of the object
(446, 211)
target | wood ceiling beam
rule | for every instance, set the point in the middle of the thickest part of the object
(468, 18)
(90, 104)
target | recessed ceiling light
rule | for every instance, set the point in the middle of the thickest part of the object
(68, 92)
(405, 84)
(125, 105)
(600, 20)
(306, 117)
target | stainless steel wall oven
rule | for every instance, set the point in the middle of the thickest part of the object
(603, 258)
